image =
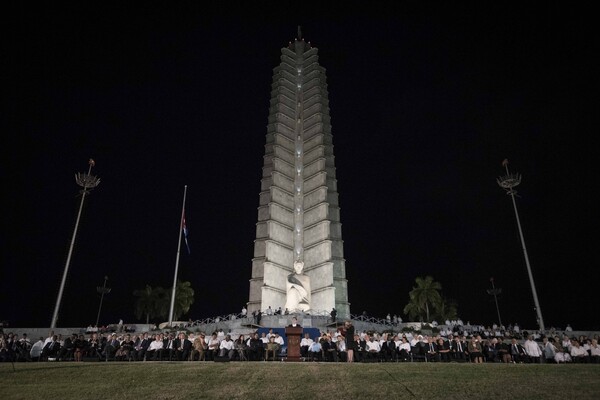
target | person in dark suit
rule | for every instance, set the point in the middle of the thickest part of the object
(68, 348)
(431, 350)
(111, 347)
(517, 352)
(51, 349)
(294, 323)
(443, 349)
(168, 350)
(141, 347)
(388, 349)
(459, 349)
(504, 351)
(182, 347)
(351, 343)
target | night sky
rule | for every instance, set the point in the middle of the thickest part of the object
(426, 101)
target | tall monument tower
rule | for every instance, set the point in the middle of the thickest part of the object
(299, 234)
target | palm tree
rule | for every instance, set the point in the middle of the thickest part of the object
(447, 310)
(155, 302)
(425, 295)
(184, 298)
(413, 311)
(162, 302)
(146, 303)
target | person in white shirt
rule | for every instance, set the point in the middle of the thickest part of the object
(264, 338)
(155, 348)
(279, 340)
(403, 349)
(305, 345)
(561, 354)
(213, 347)
(226, 348)
(49, 338)
(416, 340)
(549, 350)
(314, 350)
(578, 353)
(532, 349)
(373, 348)
(36, 349)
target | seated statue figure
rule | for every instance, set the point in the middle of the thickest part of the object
(298, 289)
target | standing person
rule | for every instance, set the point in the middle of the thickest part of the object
(350, 342)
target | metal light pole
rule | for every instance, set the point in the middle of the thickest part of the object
(102, 290)
(495, 292)
(508, 183)
(87, 182)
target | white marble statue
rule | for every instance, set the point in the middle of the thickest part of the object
(298, 289)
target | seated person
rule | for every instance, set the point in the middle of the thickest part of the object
(431, 350)
(403, 349)
(94, 345)
(68, 348)
(226, 348)
(459, 349)
(154, 349)
(213, 347)
(315, 350)
(168, 350)
(36, 349)
(517, 352)
(81, 346)
(503, 352)
(388, 349)
(341, 349)
(361, 348)
(490, 349)
(476, 349)
(594, 352)
(111, 347)
(240, 348)
(443, 350)
(329, 349)
(141, 346)
(199, 348)
(51, 349)
(255, 348)
(305, 344)
(578, 353)
(183, 347)
(373, 349)
(125, 348)
(272, 349)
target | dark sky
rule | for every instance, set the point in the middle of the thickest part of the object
(426, 101)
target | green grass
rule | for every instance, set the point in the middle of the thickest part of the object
(279, 381)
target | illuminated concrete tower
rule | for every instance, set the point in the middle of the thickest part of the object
(298, 213)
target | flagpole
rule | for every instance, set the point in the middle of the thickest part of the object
(177, 258)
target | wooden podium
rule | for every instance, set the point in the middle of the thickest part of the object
(293, 343)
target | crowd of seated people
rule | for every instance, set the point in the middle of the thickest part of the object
(453, 343)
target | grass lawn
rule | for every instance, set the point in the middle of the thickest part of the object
(279, 381)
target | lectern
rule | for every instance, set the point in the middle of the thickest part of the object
(293, 342)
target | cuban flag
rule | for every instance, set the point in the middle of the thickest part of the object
(185, 234)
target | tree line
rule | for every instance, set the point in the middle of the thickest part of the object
(426, 302)
(155, 302)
